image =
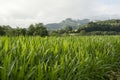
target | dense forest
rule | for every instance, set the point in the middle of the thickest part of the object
(107, 27)
(32, 30)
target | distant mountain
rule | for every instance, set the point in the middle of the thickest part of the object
(53, 26)
(67, 22)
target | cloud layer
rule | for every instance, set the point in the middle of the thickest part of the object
(24, 12)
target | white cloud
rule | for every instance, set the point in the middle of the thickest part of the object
(24, 12)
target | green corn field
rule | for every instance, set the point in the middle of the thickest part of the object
(60, 58)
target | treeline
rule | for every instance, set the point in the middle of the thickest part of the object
(32, 30)
(108, 27)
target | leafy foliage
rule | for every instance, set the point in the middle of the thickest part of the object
(56, 58)
(111, 27)
(33, 30)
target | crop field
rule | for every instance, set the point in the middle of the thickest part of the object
(60, 58)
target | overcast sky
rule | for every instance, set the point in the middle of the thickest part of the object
(24, 12)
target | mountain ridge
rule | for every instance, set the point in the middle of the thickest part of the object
(67, 22)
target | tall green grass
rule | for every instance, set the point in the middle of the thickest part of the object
(60, 58)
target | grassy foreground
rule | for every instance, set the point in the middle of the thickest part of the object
(60, 58)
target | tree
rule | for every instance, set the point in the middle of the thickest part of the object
(61, 31)
(2, 31)
(68, 29)
(40, 30)
(82, 32)
(37, 29)
(31, 30)
(54, 33)
(23, 31)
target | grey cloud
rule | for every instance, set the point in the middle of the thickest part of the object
(24, 12)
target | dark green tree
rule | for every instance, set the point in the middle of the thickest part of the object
(40, 30)
(68, 29)
(2, 31)
(31, 30)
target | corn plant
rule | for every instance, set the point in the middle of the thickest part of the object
(60, 58)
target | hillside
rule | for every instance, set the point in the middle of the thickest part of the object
(107, 27)
(67, 22)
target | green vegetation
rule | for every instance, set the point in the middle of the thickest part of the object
(67, 22)
(83, 27)
(60, 58)
(108, 27)
(32, 30)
